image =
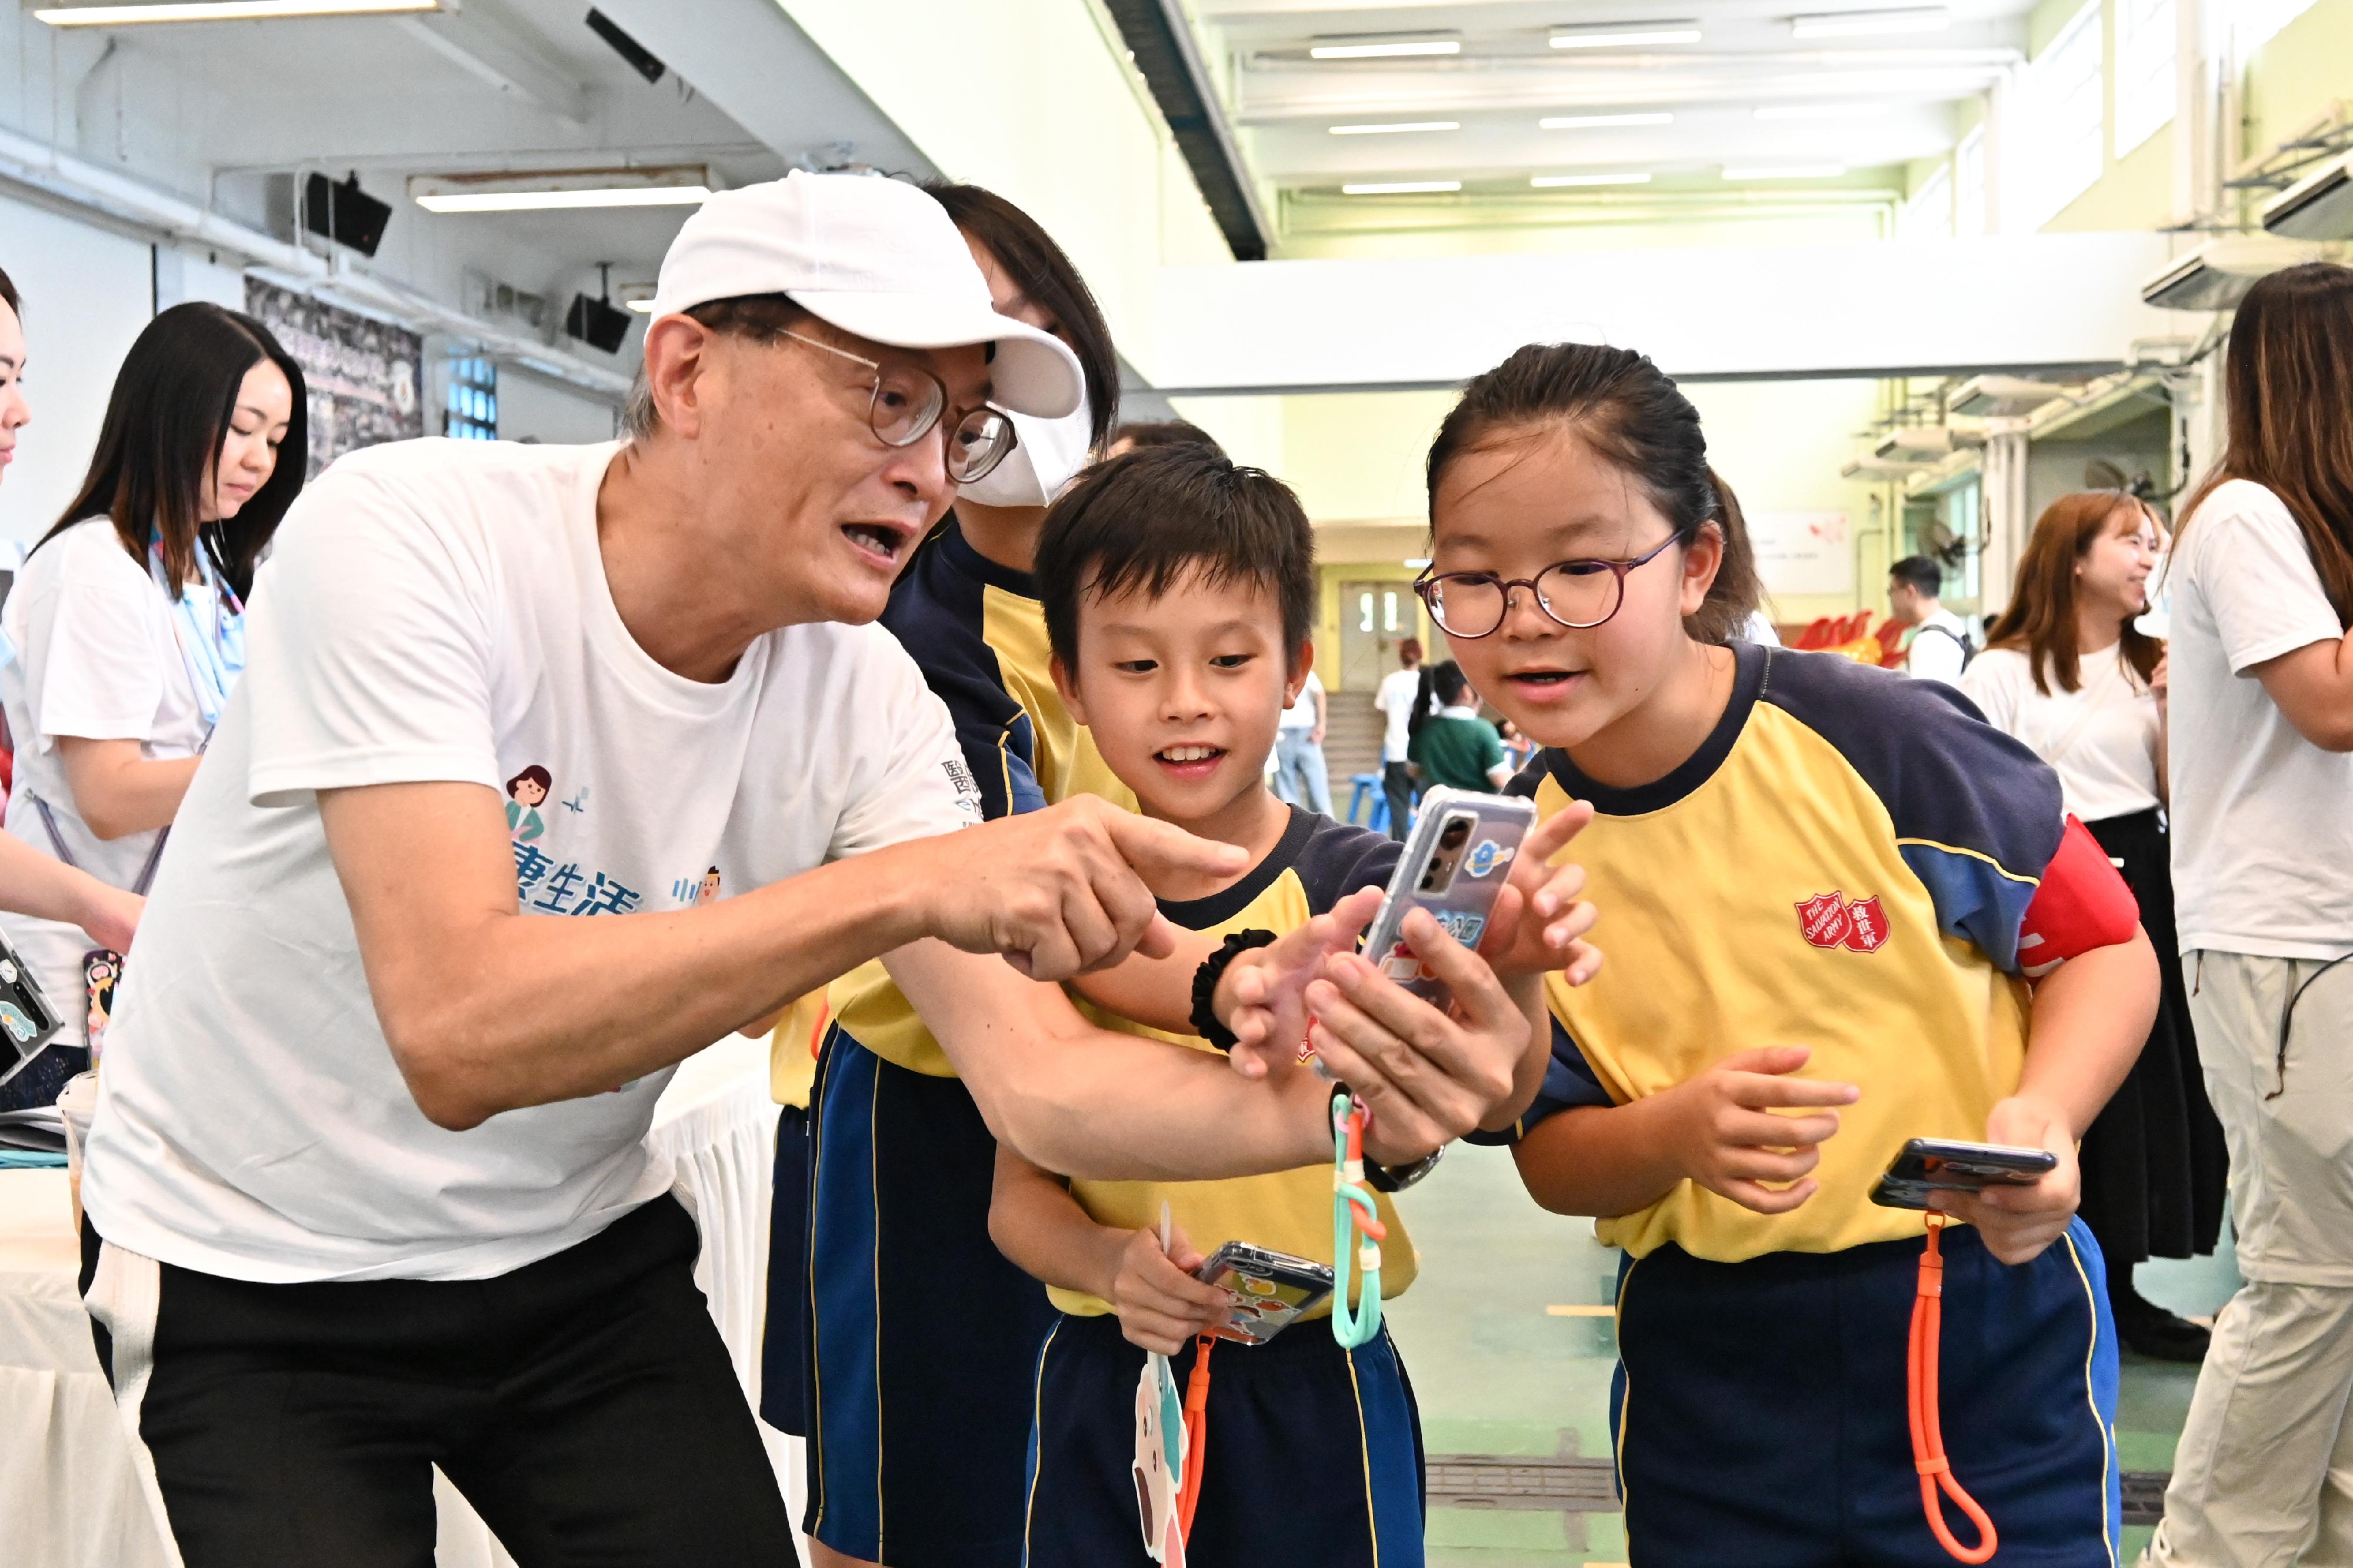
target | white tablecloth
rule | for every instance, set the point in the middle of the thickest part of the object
(68, 1496)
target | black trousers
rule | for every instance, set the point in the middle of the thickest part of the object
(583, 1403)
(1396, 782)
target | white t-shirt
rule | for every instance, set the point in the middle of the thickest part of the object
(1301, 714)
(95, 658)
(2262, 840)
(1935, 651)
(1395, 700)
(2101, 738)
(437, 610)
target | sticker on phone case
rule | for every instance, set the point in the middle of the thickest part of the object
(1488, 858)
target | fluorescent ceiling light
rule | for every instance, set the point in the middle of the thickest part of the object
(1557, 181)
(1594, 121)
(1869, 24)
(224, 11)
(688, 185)
(1821, 111)
(1787, 171)
(1401, 189)
(1400, 126)
(1625, 36)
(1384, 46)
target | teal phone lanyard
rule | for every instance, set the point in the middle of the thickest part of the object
(1353, 1211)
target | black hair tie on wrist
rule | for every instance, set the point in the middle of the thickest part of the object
(1205, 985)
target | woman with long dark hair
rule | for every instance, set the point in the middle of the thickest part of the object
(2067, 672)
(127, 618)
(2262, 717)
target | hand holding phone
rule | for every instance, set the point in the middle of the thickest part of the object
(1266, 1291)
(1455, 864)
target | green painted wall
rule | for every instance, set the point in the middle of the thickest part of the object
(2297, 74)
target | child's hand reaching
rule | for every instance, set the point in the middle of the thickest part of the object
(1729, 1140)
(2018, 1222)
(1539, 923)
(1266, 986)
(1160, 1304)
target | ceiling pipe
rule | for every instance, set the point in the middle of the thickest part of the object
(96, 188)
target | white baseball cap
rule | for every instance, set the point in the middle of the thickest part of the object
(876, 258)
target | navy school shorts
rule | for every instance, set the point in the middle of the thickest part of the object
(922, 1339)
(1315, 1453)
(1761, 1421)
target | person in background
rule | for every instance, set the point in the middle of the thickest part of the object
(2261, 776)
(32, 883)
(1939, 646)
(1399, 694)
(1518, 750)
(1300, 776)
(1454, 746)
(1159, 432)
(2067, 671)
(128, 616)
(907, 1446)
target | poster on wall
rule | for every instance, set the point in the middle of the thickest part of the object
(1804, 552)
(364, 375)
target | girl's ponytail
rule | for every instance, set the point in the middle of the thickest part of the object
(1732, 598)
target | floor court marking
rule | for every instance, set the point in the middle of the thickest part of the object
(1583, 1309)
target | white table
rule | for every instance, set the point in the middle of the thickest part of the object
(68, 1493)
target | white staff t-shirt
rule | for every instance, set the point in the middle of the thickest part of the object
(96, 658)
(2263, 819)
(437, 610)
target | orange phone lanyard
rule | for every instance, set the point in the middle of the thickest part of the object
(1197, 1434)
(1928, 1428)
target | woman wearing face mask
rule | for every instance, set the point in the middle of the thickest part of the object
(127, 618)
(2067, 672)
(31, 883)
(923, 1330)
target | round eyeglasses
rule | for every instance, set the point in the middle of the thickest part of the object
(1578, 595)
(908, 401)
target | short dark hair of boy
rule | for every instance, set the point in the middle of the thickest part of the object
(1143, 519)
(1164, 433)
(1921, 572)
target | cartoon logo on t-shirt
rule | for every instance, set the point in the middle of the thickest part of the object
(526, 792)
(1828, 920)
(692, 890)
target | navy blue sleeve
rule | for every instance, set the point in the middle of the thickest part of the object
(1568, 1083)
(1339, 859)
(1976, 815)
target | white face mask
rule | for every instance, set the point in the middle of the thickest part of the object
(1045, 459)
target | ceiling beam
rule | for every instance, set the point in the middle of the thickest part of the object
(476, 41)
(1160, 42)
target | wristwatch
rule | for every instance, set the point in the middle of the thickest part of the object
(1398, 1178)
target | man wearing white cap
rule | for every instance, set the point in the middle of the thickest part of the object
(367, 1190)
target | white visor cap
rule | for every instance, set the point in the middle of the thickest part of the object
(874, 257)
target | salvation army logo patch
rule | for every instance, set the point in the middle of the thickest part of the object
(1827, 921)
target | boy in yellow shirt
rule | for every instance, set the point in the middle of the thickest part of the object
(1179, 591)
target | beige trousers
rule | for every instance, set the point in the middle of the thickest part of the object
(2264, 1472)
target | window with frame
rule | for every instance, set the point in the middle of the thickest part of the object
(2146, 84)
(2066, 111)
(1969, 193)
(1930, 212)
(471, 412)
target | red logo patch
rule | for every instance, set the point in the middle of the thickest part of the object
(1822, 918)
(1866, 925)
(1827, 919)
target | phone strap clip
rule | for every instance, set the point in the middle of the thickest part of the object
(1354, 1213)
